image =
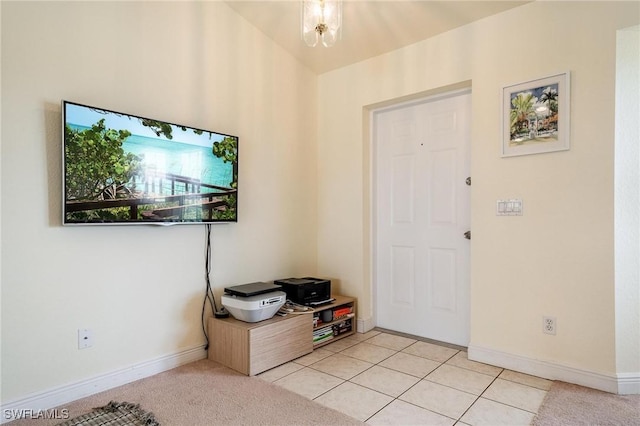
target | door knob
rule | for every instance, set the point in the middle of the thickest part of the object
(467, 235)
(468, 181)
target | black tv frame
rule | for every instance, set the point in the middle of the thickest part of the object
(166, 198)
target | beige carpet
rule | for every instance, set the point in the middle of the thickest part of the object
(207, 393)
(573, 405)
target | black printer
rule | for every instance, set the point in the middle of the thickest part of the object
(307, 291)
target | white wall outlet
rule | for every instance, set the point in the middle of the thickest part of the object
(549, 325)
(85, 338)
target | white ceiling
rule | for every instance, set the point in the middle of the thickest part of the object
(370, 27)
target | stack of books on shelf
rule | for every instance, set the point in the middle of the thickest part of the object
(322, 334)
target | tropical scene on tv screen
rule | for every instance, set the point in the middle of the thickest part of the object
(124, 168)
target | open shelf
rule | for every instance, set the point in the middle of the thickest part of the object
(342, 322)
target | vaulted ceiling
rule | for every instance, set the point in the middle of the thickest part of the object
(370, 27)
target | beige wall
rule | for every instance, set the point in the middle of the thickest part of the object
(140, 288)
(200, 64)
(558, 258)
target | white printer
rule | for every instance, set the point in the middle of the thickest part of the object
(253, 302)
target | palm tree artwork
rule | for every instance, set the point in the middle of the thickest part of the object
(533, 115)
(521, 109)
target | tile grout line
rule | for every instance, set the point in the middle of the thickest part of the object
(395, 398)
(348, 380)
(478, 397)
(396, 351)
(509, 405)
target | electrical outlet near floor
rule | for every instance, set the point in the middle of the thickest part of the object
(549, 325)
(85, 338)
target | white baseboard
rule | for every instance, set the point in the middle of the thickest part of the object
(58, 396)
(364, 325)
(621, 383)
(629, 383)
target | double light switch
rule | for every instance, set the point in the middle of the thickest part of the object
(509, 207)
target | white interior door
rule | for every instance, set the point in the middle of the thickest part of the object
(421, 213)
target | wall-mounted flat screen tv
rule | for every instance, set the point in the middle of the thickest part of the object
(120, 168)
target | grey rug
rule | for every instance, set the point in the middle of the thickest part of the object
(114, 414)
(572, 405)
(205, 393)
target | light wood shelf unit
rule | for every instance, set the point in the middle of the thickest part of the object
(338, 303)
(251, 348)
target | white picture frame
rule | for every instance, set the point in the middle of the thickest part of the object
(536, 116)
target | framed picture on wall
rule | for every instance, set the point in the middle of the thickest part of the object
(535, 116)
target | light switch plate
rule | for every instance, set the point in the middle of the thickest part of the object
(511, 207)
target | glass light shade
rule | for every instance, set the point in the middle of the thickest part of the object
(321, 21)
(329, 38)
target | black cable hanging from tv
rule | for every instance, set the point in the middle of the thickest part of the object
(208, 294)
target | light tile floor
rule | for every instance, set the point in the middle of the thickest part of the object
(383, 378)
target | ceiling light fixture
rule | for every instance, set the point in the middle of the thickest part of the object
(321, 21)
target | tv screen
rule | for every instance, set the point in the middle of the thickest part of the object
(120, 168)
